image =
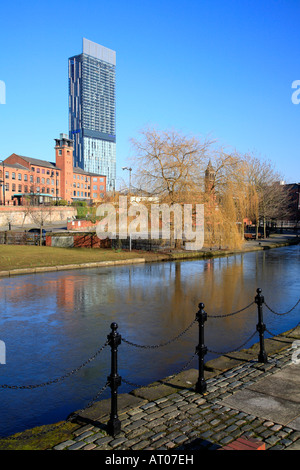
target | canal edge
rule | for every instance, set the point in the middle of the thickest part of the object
(159, 390)
(182, 256)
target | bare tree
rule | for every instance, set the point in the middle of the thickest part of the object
(39, 216)
(268, 198)
(169, 164)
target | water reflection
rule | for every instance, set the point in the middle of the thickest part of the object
(52, 323)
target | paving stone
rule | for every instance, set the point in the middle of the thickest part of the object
(140, 445)
(185, 420)
(83, 436)
(116, 442)
(83, 429)
(157, 436)
(89, 447)
(77, 445)
(63, 445)
(180, 439)
(103, 440)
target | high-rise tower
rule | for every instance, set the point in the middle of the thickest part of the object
(92, 110)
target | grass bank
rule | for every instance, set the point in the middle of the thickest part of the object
(20, 257)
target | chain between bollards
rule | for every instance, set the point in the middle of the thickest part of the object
(261, 327)
(114, 381)
(201, 349)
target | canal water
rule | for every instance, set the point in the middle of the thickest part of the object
(52, 323)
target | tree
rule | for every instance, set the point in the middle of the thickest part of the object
(268, 199)
(225, 199)
(169, 164)
(39, 216)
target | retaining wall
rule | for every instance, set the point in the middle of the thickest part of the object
(91, 240)
(18, 215)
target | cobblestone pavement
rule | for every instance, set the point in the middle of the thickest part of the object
(188, 421)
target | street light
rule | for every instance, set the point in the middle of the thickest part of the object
(129, 169)
(3, 181)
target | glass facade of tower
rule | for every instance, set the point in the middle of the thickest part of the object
(92, 110)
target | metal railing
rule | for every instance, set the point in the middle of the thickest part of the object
(114, 340)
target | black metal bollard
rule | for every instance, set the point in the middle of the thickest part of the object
(259, 300)
(201, 349)
(114, 381)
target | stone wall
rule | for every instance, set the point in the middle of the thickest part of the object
(18, 215)
(91, 240)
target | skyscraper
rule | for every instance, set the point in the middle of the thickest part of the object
(92, 110)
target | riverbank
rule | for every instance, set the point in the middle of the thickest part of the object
(244, 398)
(16, 259)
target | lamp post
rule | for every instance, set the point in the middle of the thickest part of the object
(3, 181)
(129, 169)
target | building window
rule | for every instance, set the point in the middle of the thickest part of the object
(95, 195)
(95, 187)
(20, 188)
(52, 182)
(48, 181)
(25, 177)
(31, 179)
(43, 171)
(13, 187)
(6, 174)
(38, 180)
(59, 152)
(94, 179)
(19, 177)
(6, 186)
(101, 187)
(37, 170)
(74, 193)
(13, 175)
(43, 180)
(25, 189)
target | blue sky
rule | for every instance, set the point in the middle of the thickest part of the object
(222, 68)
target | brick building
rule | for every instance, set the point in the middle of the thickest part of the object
(26, 180)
